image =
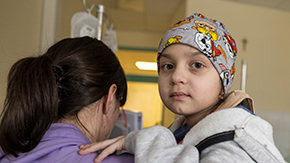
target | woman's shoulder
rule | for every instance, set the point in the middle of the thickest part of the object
(73, 156)
(61, 144)
(65, 139)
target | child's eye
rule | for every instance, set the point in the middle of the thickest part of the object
(167, 66)
(197, 65)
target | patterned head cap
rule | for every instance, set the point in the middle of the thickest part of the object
(210, 37)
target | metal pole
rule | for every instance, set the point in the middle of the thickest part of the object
(100, 12)
(244, 75)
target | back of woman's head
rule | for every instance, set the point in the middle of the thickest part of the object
(72, 74)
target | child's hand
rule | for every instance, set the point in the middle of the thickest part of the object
(109, 146)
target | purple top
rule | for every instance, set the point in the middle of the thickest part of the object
(61, 144)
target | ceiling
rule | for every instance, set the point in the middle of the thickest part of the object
(154, 15)
(277, 4)
(142, 15)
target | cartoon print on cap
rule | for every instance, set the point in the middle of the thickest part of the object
(204, 43)
(233, 70)
(200, 15)
(207, 46)
(210, 31)
(230, 45)
(220, 25)
(206, 28)
(172, 40)
(215, 51)
(185, 21)
(227, 76)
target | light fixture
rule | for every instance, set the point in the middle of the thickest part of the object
(151, 66)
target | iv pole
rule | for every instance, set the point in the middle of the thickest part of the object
(109, 38)
(100, 13)
(244, 75)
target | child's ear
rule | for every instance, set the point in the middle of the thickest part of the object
(109, 98)
(222, 94)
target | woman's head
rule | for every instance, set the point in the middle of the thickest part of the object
(85, 69)
(71, 75)
(209, 37)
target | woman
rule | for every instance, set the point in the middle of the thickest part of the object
(57, 101)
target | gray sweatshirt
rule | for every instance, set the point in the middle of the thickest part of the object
(252, 140)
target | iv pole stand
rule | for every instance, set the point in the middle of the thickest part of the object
(244, 75)
(100, 13)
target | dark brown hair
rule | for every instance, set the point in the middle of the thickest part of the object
(73, 73)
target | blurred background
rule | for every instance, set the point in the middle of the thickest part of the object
(259, 27)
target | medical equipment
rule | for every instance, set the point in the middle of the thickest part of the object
(244, 75)
(86, 24)
(128, 121)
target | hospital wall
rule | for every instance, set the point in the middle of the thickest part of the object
(266, 52)
(267, 56)
(20, 28)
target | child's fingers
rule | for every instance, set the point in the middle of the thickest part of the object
(84, 149)
(85, 146)
(89, 148)
(118, 145)
(106, 152)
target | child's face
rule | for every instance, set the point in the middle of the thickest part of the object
(188, 82)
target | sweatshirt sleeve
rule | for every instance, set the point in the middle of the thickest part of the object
(158, 145)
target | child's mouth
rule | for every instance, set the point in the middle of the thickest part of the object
(179, 95)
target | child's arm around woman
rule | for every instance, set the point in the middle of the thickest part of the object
(154, 144)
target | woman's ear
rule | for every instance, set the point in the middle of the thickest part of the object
(108, 99)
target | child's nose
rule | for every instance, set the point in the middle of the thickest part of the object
(178, 77)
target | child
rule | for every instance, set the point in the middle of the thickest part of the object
(196, 60)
